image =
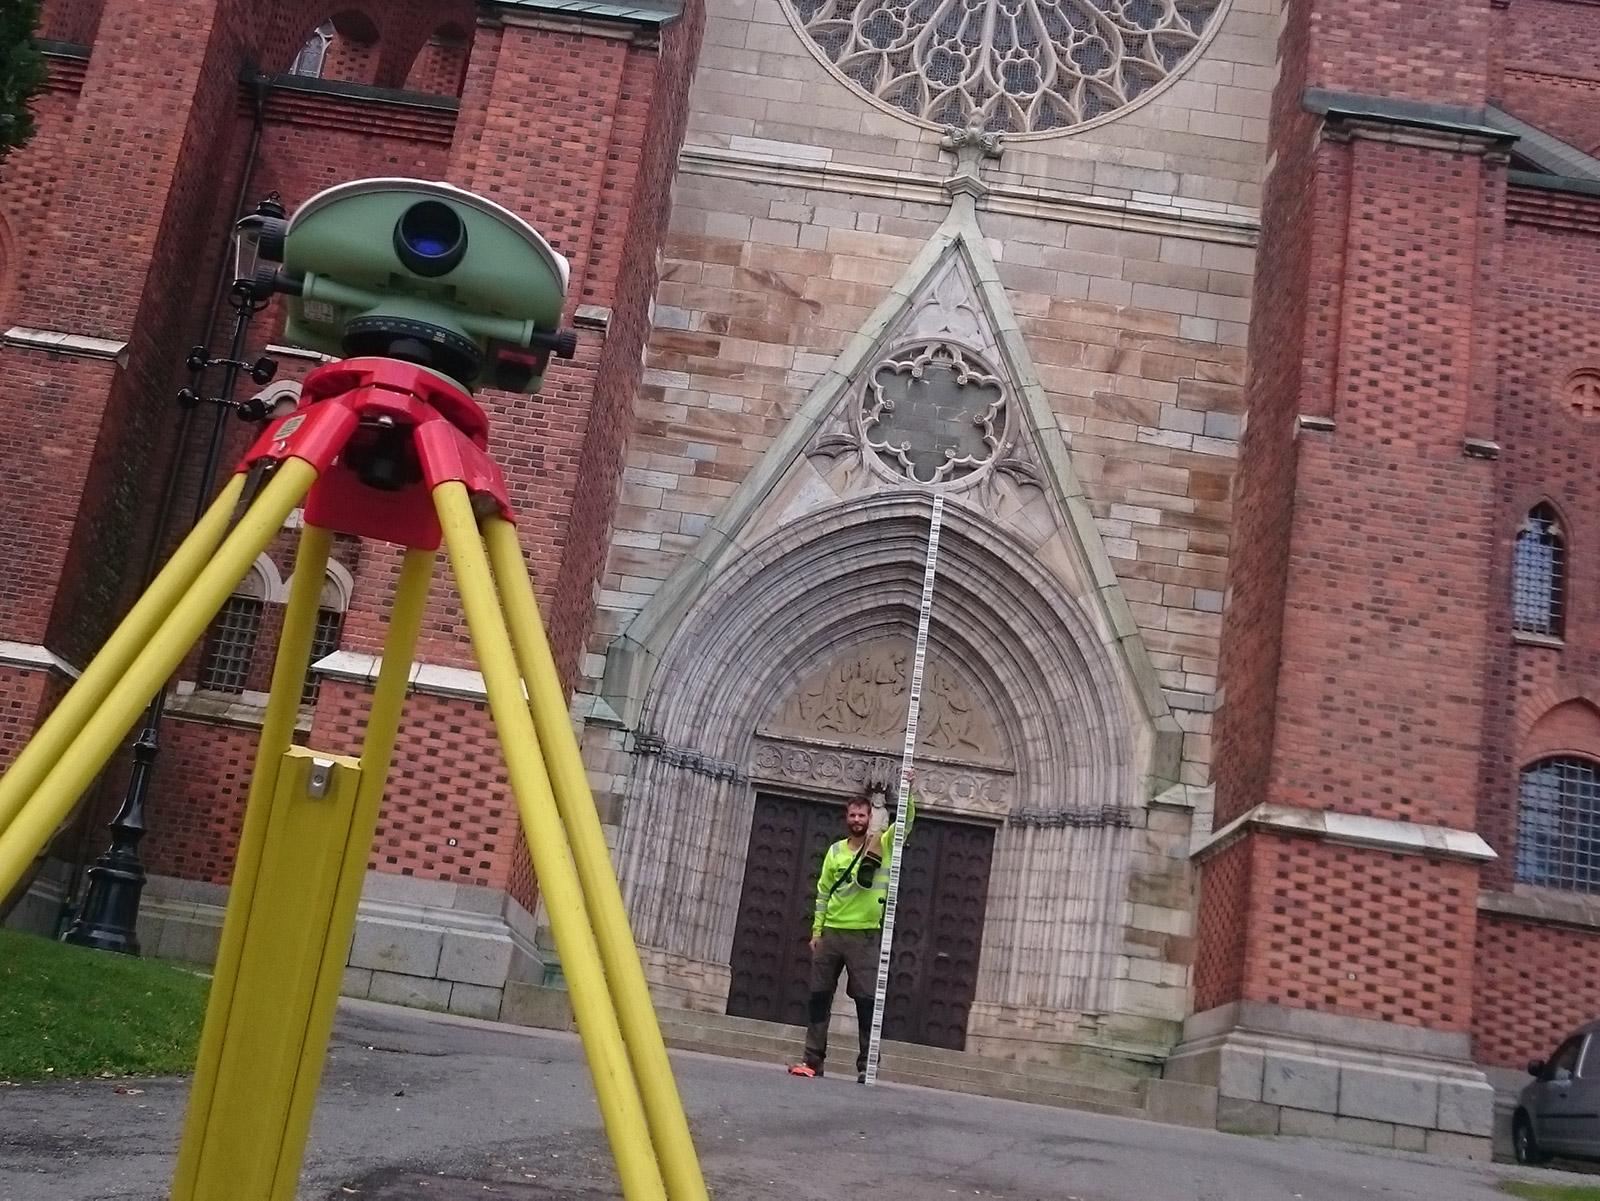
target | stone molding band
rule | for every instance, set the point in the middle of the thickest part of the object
(76, 346)
(1354, 829)
(30, 656)
(1158, 215)
(1544, 906)
(430, 679)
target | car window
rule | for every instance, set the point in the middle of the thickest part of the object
(1589, 1062)
(1565, 1057)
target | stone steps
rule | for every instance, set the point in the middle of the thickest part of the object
(1108, 1092)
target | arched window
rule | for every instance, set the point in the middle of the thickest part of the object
(231, 644)
(1558, 824)
(309, 61)
(1538, 575)
(329, 628)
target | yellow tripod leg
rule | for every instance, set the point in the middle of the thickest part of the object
(97, 741)
(277, 732)
(377, 752)
(558, 880)
(245, 1133)
(241, 1132)
(669, 1128)
(107, 667)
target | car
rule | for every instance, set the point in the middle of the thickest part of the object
(1558, 1111)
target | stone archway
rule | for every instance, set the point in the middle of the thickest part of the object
(1026, 653)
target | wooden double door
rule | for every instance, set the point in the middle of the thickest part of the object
(944, 887)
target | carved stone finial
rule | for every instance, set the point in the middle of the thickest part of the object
(974, 138)
(971, 146)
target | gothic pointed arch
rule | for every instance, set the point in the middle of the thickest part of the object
(1029, 657)
(949, 310)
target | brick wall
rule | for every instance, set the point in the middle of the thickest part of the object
(1221, 954)
(1282, 352)
(1361, 933)
(607, 112)
(1551, 76)
(1550, 313)
(70, 20)
(1353, 656)
(441, 66)
(25, 697)
(1535, 985)
(1434, 50)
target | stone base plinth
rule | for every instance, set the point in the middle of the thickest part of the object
(425, 943)
(1289, 1071)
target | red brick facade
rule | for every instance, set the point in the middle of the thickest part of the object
(1411, 312)
(146, 131)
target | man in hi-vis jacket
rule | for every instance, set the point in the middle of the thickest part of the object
(852, 890)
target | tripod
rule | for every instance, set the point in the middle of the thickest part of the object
(384, 449)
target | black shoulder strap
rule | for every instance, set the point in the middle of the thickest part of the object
(848, 872)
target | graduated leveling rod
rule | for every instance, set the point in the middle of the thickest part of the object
(886, 944)
(430, 289)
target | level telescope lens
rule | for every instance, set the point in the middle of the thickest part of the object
(429, 238)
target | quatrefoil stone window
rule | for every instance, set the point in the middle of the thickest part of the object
(933, 412)
(1018, 67)
(1582, 392)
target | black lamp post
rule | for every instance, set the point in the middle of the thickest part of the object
(110, 909)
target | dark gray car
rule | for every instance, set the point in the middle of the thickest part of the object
(1558, 1113)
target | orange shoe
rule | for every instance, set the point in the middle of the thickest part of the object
(804, 1069)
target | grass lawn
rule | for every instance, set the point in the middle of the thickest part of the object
(1551, 1192)
(69, 1011)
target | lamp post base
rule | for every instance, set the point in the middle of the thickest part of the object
(110, 908)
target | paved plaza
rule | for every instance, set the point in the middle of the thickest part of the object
(416, 1106)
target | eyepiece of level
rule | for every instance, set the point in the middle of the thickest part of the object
(430, 238)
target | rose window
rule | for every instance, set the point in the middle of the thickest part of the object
(932, 412)
(1011, 66)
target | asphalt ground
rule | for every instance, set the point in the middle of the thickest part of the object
(423, 1106)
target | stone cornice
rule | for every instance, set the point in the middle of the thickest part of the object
(1545, 905)
(33, 657)
(1170, 217)
(1351, 829)
(72, 346)
(432, 679)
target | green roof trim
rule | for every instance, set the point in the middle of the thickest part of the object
(648, 16)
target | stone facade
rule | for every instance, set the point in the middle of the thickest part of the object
(766, 551)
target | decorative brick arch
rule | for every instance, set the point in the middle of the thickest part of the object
(1571, 727)
(397, 31)
(74, 21)
(440, 67)
(1536, 705)
(841, 579)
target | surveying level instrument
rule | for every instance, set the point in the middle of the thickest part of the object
(430, 289)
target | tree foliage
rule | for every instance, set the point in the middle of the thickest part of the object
(22, 71)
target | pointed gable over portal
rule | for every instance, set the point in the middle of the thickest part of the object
(936, 390)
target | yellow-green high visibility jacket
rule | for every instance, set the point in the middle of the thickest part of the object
(852, 906)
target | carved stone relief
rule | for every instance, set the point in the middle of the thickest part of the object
(861, 699)
(965, 790)
(948, 308)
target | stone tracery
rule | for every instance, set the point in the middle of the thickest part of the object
(1012, 66)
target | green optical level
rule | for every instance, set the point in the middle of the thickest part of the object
(418, 271)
